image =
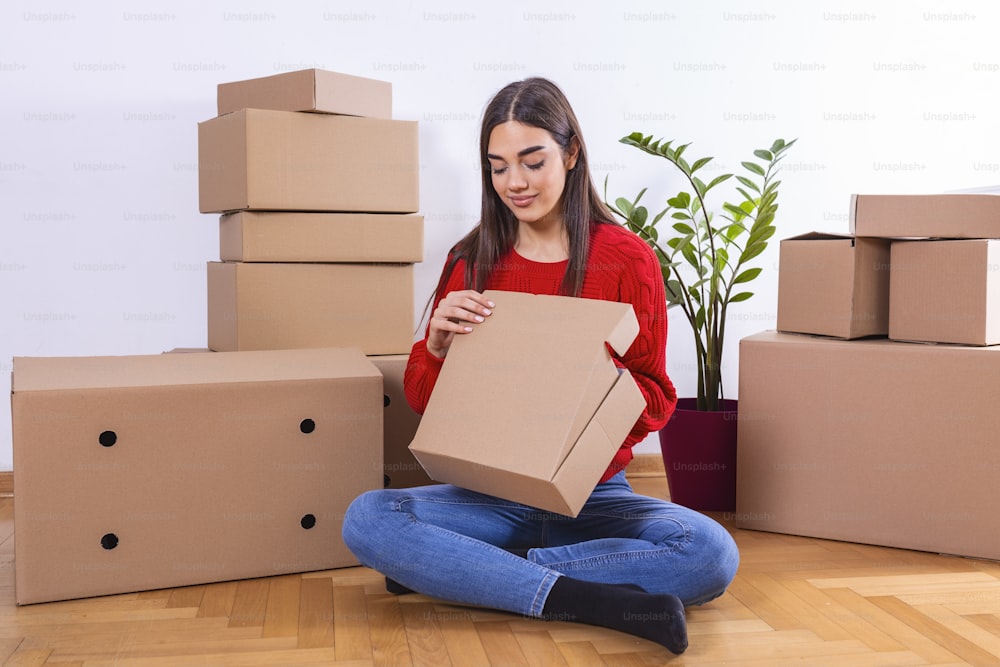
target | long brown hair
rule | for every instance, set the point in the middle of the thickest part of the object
(540, 103)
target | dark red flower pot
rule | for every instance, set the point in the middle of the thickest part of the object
(699, 455)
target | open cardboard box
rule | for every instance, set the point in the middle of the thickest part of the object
(531, 407)
(834, 285)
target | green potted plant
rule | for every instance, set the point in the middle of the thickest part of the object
(705, 259)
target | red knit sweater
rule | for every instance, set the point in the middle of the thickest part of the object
(621, 267)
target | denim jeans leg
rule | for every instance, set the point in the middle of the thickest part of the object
(624, 537)
(448, 543)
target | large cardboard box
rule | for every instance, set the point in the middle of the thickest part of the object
(402, 470)
(531, 407)
(950, 216)
(945, 291)
(270, 306)
(315, 90)
(870, 441)
(142, 472)
(834, 285)
(258, 159)
(267, 236)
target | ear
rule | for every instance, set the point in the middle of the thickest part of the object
(572, 153)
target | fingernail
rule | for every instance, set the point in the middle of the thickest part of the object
(491, 304)
(479, 318)
(468, 329)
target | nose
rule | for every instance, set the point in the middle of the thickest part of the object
(517, 180)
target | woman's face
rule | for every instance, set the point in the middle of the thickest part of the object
(529, 170)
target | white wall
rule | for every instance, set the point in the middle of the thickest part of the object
(103, 250)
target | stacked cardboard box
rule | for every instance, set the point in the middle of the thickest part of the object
(870, 415)
(140, 472)
(318, 190)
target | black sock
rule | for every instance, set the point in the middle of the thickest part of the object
(657, 617)
(396, 588)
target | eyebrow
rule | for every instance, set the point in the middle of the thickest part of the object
(522, 153)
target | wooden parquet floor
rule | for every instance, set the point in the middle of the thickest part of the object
(795, 601)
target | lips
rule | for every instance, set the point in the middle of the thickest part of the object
(522, 202)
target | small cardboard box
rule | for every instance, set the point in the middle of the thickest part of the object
(268, 306)
(531, 407)
(258, 159)
(315, 90)
(949, 216)
(833, 285)
(402, 470)
(266, 236)
(143, 472)
(869, 441)
(945, 291)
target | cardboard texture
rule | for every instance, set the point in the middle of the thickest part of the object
(143, 472)
(267, 306)
(399, 425)
(833, 285)
(314, 90)
(531, 407)
(402, 470)
(257, 159)
(945, 291)
(870, 441)
(264, 236)
(954, 216)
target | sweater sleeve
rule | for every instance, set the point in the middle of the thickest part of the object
(423, 367)
(646, 358)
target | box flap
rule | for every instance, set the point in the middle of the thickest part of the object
(517, 393)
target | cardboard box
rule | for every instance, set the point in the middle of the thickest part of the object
(834, 285)
(945, 291)
(266, 306)
(402, 470)
(869, 441)
(265, 236)
(258, 159)
(143, 472)
(951, 216)
(315, 90)
(399, 424)
(531, 407)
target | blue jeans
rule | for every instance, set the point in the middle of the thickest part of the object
(451, 543)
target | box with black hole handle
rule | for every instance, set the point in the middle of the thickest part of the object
(153, 471)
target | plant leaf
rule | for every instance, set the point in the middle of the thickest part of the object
(747, 275)
(742, 296)
(754, 167)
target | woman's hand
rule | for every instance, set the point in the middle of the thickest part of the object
(457, 313)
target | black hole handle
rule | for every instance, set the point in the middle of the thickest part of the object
(107, 438)
(386, 400)
(308, 521)
(109, 541)
(307, 426)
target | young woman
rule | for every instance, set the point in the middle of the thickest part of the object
(627, 561)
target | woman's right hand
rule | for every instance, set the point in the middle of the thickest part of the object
(457, 313)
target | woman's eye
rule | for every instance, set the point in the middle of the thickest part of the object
(497, 171)
(536, 166)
